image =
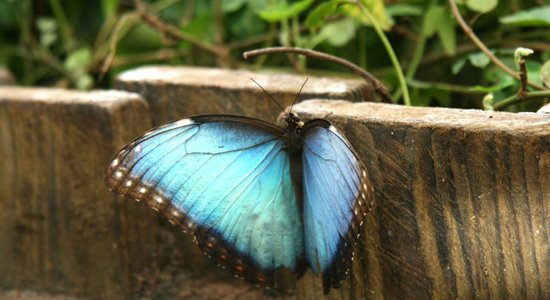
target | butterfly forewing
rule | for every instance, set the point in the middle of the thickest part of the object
(337, 195)
(227, 180)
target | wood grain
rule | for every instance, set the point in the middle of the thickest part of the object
(462, 202)
(177, 92)
(60, 229)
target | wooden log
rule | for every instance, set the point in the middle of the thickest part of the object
(462, 202)
(177, 92)
(61, 230)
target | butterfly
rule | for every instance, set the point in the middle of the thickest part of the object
(258, 198)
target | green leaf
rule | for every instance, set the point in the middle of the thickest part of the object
(280, 10)
(317, 17)
(76, 64)
(202, 26)
(246, 23)
(84, 82)
(479, 60)
(432, 20)
(535, 17)
(488, 102)
(339, 33)
(229, 6)
(545, 73)
(458, 66)
(447, 35)
(404, 9)
(48, 31)
(78, 59)
(482, 6)
(375, 7)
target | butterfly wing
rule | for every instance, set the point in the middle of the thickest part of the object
(337, 195)
(227, 180)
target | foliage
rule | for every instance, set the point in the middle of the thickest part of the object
(84, 44)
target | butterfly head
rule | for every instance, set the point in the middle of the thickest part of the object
(293, 131)
(293, 121)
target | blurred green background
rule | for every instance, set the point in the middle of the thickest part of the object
(85, 44)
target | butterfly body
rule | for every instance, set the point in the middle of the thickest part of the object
(251, 192)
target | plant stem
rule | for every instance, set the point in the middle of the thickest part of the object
(415, 62)
(66, 30)
(380, 88)
(484, 48)
(220, 32)
(389, 50)
(362, 46)
(297, 39)
(442, 86)
(515, 99)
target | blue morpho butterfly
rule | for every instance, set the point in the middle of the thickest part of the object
(258, 198)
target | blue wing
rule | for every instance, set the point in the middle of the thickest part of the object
(337, 195)
(227, 180)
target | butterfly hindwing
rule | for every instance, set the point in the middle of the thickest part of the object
(227, 180)
(337, 195)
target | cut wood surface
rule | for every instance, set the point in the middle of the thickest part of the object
(176, 92)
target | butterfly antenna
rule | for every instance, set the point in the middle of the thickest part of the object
(298, 95)
(268, 94)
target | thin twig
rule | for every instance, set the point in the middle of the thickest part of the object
(173, 32)
(515, 99)
(468, 30)
(522, 78)
(113, 44)
(380, 88)
(247, 42)
(159, 55)
(389, 50)
(443, 86)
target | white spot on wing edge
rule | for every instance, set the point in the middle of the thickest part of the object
(183, 122)
(118, 174)
(115, 162)
(333, 129)
(179, 123)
